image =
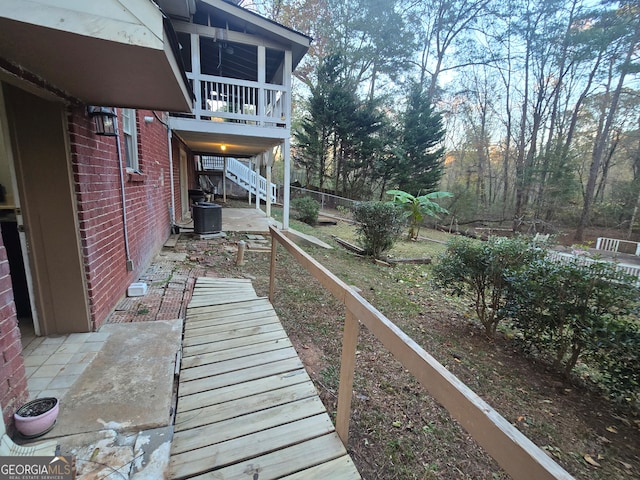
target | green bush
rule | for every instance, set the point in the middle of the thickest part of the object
(306, 209)
(482, 269)
(379, 226)
(618, 360)
(571, 310)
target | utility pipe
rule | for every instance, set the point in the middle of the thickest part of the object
(172, 210)
(124, 197)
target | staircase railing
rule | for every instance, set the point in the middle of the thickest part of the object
(242, 175)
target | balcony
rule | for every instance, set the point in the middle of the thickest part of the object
(246, 117)
(223, 99)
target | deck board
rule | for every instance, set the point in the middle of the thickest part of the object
(245, 403)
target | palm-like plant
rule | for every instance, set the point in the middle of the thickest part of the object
(415, 208)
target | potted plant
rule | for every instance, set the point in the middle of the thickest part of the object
(37, 417)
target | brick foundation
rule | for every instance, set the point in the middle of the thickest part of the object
(13, 381)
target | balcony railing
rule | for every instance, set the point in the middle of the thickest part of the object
(224, 99)
(513, 451)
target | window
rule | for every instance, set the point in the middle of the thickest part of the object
(130, 137)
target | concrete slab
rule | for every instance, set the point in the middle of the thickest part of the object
(303, 239)
(101, 454)
(129, 386)
(246, 220)
(152, 452)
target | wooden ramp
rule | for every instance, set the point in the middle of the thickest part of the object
(246, 407)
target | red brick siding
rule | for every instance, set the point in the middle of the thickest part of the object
(13, 381)
(99, 202)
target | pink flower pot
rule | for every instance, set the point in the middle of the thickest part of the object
(37, 417)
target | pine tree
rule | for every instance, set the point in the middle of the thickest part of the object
(422, 159)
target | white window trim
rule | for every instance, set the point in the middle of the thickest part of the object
(130, 131)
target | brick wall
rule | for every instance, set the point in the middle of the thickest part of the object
(99, 202)
(13, 381)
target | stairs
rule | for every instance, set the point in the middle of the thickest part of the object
(242, 175)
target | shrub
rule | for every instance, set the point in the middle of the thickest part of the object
(307, 209)
(618, 359)
(482, 268)
(571, 310)
(379, 226)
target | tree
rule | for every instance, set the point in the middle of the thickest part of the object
(441, 26)
(421, 162)
(626, 21)
(329, 108)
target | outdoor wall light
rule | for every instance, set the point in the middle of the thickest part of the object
(104, 120)
(223, 147)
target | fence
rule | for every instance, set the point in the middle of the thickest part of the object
(326, 200)
(618, 246)
(585, 260)
(515, 453)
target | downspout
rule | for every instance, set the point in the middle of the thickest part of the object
(172, 210)
(124, 198)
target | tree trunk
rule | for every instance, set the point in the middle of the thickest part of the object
(598, 148)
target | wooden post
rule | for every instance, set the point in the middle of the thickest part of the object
(272, 268)
(347, 367)
(242, 245)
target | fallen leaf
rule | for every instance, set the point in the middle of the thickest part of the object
(623, 420)
(612, 429)
(520, 418)
(626, 465)
(590, 460)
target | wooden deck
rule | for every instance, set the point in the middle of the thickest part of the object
(246, 407)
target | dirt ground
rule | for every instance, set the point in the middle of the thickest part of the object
(397, 430)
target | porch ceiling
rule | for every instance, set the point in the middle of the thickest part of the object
(236, 145)
(102, 53)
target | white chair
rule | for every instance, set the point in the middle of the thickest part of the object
(10, 449)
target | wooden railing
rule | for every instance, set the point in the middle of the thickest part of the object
(613, 245)
(240, 101)
(513, 451)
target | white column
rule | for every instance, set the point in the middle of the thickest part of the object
(286, 152)
(195, 69)
(224, 181)
(268, 207)
(257, 170)
(288, 69)
(262, 76)
(249, 181)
